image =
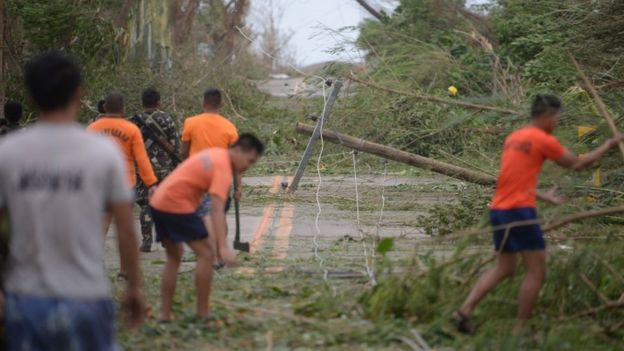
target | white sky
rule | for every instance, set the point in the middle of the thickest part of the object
(319, 26)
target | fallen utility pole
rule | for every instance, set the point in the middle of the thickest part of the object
(436, 99)
(316, 133)
(602, 107)
(401, 156)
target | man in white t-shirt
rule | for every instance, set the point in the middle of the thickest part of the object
(56, 180)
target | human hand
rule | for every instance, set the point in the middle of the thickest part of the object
(133, 307)
(618, 138)
(551, 197)
(227, 256)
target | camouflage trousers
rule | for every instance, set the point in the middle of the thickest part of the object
(142, 200)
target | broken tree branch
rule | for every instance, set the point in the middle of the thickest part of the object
(547, 228)
(437, 99)
(593, 288)
(401, 156)
(371, 10)
(602, 108)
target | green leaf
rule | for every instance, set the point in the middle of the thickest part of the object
(385, 245)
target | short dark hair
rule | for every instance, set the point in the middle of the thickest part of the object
(13, 111)
(100, 106)
(150, 98)
(545, 103)
(114, 102)
(52, 80)
(212, 97)
(249, 142)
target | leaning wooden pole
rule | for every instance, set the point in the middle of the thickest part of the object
(602, 107)
(402, 156)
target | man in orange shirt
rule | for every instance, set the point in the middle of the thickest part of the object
(129, 139)
(174, 210)
(210, 130)
(524, 153)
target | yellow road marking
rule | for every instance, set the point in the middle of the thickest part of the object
(282, 237)
(258, 236)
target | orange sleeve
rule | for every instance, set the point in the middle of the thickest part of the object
(221, 181)
(552, 148)
(186, 131)
(234, 136)
(146, 172)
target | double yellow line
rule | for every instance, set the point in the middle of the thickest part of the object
(284, 227)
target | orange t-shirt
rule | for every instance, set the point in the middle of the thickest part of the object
(209, 171)
(208, 130)
(524, 154)
(129, 138)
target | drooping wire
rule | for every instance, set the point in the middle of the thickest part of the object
(368, 258)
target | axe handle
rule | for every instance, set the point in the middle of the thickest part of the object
(237, 212)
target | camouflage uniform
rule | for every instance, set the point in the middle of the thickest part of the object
(161, 161)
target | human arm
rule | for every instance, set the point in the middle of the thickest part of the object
(146, 172)
(186, 148)
(577, 163)
(118, 198)
(133, 302)
(551, 197)
(186, 139)
(217, 215)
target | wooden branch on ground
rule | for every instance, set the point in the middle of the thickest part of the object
(593, 288)
(401, 156)
(277, 313)
(611, 85)
(437, 99)
(547, 228)
(602, 108)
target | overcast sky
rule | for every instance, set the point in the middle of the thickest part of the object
(321, 26)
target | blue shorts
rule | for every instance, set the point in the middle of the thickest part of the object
(179, 228)
(522, 238)
(204, 207)
(44, 324)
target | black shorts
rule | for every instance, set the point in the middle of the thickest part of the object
(521, 238)
(179, 228)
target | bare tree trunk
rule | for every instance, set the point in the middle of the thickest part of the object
(371, 10)
(184, 12)
(121, 20)
(232, 19)
(3, 45)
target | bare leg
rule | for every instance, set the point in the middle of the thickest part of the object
(505, 268)
(535, 264)
(169, 277)
(203, 274)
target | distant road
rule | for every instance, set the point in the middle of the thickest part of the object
(290, 87)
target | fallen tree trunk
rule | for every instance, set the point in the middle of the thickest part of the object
(401, 156)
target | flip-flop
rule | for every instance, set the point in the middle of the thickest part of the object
(463, 323)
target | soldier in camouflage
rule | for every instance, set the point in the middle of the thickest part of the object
(12, 116)
(162, 161)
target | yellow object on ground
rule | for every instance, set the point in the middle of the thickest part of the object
(453, 90)
(584, 130)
